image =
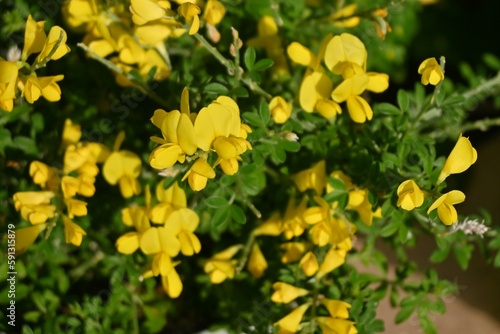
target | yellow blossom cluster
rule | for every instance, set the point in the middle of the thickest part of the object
(188, 136)
(20, 74)
(60, 186)
(269, 40)
(133, 37)
(162, 232)
(335, 323)
(343, 55)
(410, 196)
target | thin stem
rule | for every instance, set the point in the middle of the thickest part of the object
(229, 65)
(486, 86)
(138, 84)
(246, 253)
(482, 124)
(314, 306)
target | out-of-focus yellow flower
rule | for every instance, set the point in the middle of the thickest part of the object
(44, 175)
(335, 326)
(269, 40)
(280, 109)
(460, 159)
(286, 293)
(410, 196)
(444, 205)
(293, 221)
(188, 220)
(293, 251)
(344, 18)
(290, 323)
(130, 242)
(191, 13)
(334, 258)
(343, 51)
(309, 264)
(337, 308)
(71, 133)
(199, 174)
(312, 178)
(214, 12)
(8, 84)
(220, 266)
(34, 37)
(35, 205)
(271, 227)
(123, 167)
(257, 263)
(431, 72)
(144, 11)
(25, 237)
(161, 239)
(33, 87)
(73, 233)
(75, 207)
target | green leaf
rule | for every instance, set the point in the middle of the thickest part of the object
(37, 123)
(5, 140)
(290, 146)
(216, 88)
(264, 113)
(337, 184)
(32, 316)
(386, 109)
(404, 313)
(403, 100)
(217, 202)
(492, 61)
(249, 58)
(239, 92)
(440, 254)
(26, 144)
(252, 119)
(263, 64)
(238, 214)
(221, 217)
(390, 228)
(463, 253)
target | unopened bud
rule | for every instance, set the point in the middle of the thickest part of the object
(236, 34)
(291, 136)
(213, 33)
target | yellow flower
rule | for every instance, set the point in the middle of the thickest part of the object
(257, 263)
(71, 133)
(335, 326)
(73, 233)
(293, 251)
(337, 308)
(269, 39)
(460, 159)
(344, 18)
(123, 167)
(34, 37)
(130, 242)
(271, 227)
(444, 204)
(334, 258)
(190, 12)
(280, 109)
(172, 283)
(34, 87)
(179, 137)
(144, 11)
(344, 51)
(25, 237)
(218, 127)
(8, 83)
(214, 12)
(220, 266)
(290, 323)
(44, 175)
(309, 264)
(286, 293)
(431, 72)
(410, 196)
(55, 34)
(161, 240)
(188, 220)
(293, 221)
(312, 178)
(199, 174)
(75, 207)
(35, 205)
